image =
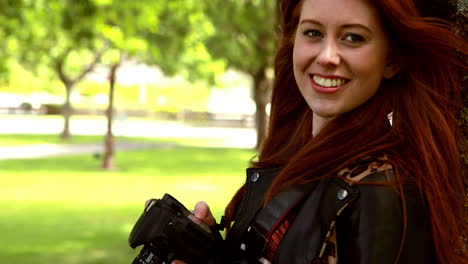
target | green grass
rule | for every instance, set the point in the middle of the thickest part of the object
(8, 140)
(27, 139)
(66, 210)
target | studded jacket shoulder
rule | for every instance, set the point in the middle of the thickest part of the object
(338, 222)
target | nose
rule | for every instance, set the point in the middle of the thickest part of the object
(329, 54)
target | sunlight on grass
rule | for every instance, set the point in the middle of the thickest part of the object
(66, 210)
(28, 139)
(8, 140)
(115, 189)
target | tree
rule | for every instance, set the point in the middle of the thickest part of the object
(461, 19)
(117, 24)
(246, 40)
(72, 37)
(61, 35)
(165, 33)
(457, 13)
(10, 18)
(109, 146)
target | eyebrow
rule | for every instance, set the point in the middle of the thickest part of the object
(352, 25)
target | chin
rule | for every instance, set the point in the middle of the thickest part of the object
(328, 114)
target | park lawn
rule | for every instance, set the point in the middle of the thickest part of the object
(9, 140)
(65, 210)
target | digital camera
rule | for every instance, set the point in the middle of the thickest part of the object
(166, 233)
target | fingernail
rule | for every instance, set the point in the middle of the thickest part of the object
(199, 211)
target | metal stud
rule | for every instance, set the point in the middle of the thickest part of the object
(254, 177)
(242, 246)
(342, 194)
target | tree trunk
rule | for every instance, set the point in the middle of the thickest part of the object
(109, 145)
(69, 83)
(67, 111)
(463, 137)
(261, 99)
(460, 18)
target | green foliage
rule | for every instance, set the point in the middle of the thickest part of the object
(171, 97)
(51, 30)
(178, 44)
(245, 32)
(23, 81)
(170, 34)
(10, 19)
(78, 19)
(246, 39)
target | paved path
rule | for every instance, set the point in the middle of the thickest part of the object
(50, 150)
(221, 136)
(231, 136)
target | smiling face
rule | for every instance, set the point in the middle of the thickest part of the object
(340, 56)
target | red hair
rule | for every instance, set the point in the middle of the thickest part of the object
(425, 100)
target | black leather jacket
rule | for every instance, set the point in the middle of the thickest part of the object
(369, 223)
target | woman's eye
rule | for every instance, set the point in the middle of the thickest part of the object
(313, 33)
(354, 38)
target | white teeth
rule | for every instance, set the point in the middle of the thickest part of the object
(326, 82)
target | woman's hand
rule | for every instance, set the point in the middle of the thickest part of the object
(201, 215)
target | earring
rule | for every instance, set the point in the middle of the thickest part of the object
(390, 118)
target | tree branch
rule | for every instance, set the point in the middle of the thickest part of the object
(59, 67)
(91, 65)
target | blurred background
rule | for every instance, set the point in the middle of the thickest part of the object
(107, 103)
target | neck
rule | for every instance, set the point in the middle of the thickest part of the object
(318, 122)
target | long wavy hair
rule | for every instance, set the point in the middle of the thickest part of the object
(424, 98)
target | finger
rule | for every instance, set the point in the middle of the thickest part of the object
(147, 203)
(178, 262)
(195, 219)
(202, 212)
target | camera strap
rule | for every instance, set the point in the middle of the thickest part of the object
(219, 227)
(266, 221)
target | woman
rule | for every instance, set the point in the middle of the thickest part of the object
(361, 163)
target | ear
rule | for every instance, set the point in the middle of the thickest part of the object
(392, 65)
(390, 70)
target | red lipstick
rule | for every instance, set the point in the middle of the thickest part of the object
(327, 90)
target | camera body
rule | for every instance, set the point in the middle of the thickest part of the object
(168, 234)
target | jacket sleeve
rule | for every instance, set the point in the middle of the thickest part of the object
(371, 231)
